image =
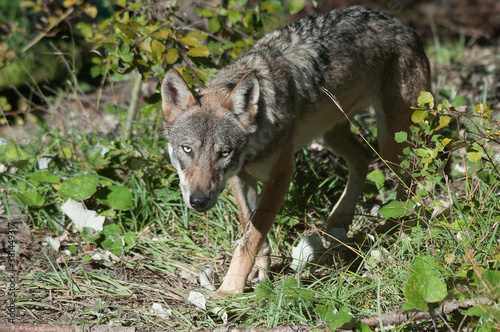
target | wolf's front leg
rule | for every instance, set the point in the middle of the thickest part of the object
(259, 221)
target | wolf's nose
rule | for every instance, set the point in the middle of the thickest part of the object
(199, 202)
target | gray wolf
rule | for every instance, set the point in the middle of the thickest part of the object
(246, 125)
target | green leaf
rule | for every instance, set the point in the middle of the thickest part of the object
(362, 327)
(31, 198)
(419, 116)
(199, 35)
(459, 101)
(27, 4)
(172, 56)
(215, 48)
(130, 239)
(198, 52)
(96, 71)
(45, 176)
(265, 290)
(422, 193)
(135, 6)
(443, 121)
(424, 284)
(190, 41)
(377, 177)
(407, 306)
(453, 143)
(445, 141)
(130, 30)
(222, 11)
(112, 231)
(68, 3)
(427, 153)
(272, 6)
(447, 104)
(234, 16)
(114, 109)
(296, 6)
(405, 164)
(331, 319)
(80, 187)
(426, 100)
(157, 47)
(477, 311)
(162, 34)
(412, 293)
(401, 136)
(127, 57)
(491, 279)
(433, 289)
(11, 152)
(446, 93)
(85, 29)
(487, 177)
(116, 197)
(146, 45)
(227, 45)
(206, 12)
(206, 74)
(214, 25)
(473, 154)
(239, 3)
(396, 209)
(4, 104)
(90, 10)
(113, 239)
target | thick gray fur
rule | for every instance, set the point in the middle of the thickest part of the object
(267, 104)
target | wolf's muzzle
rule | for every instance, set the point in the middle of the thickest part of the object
(199, 202)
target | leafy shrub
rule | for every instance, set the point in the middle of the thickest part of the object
(460, 200)
(137, 37)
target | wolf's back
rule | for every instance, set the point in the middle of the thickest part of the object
(302, 56)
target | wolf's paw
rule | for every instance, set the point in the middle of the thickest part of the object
(261, 265)
(337, 238)
(304, 252)
(309, 246)
(233, 284)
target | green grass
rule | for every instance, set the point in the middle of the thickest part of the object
(170, 246)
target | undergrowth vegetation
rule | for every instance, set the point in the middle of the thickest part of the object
(112, 243)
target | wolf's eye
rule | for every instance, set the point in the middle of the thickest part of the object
(225, 153)
(187, 149)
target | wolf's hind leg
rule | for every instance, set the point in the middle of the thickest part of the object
(262, 263)
(357, 156)
(344, 144)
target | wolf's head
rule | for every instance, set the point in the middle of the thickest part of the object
(207, 136)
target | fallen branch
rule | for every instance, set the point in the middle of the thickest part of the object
(397, 317)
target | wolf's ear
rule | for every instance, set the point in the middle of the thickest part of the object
(244, 100)
(176, 96)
